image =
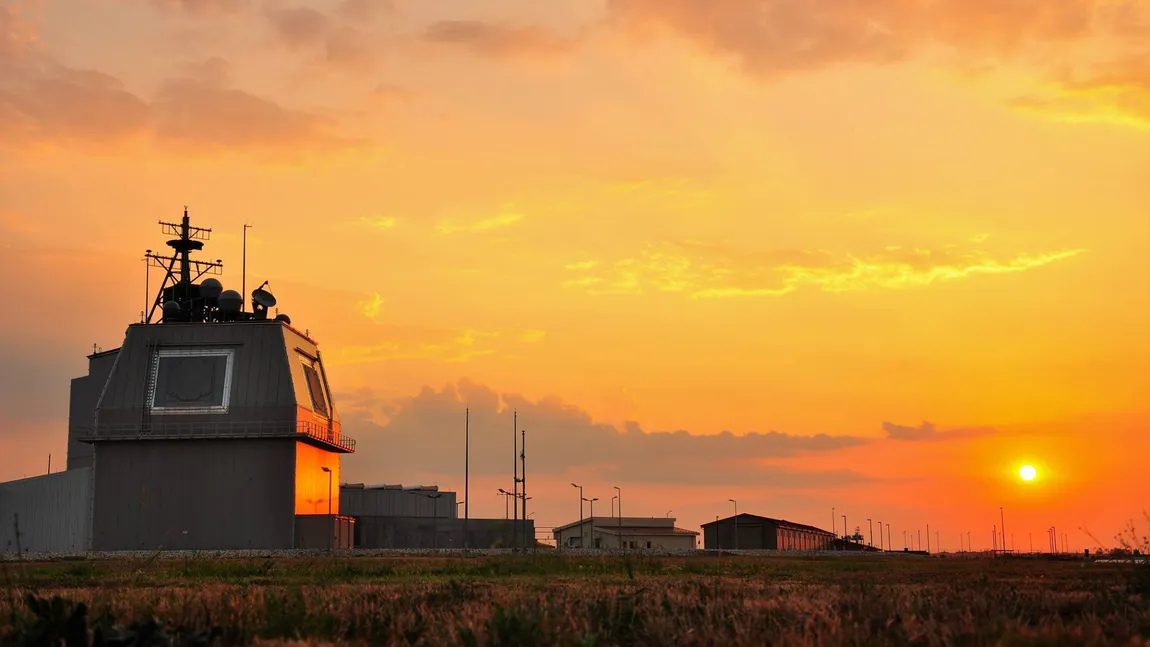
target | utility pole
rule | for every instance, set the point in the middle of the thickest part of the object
(466, 473)
(523, 472)
(1002, 518)
(515, 478)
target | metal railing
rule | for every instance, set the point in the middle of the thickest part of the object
(172, 430)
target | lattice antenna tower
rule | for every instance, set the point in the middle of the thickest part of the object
(180, 271)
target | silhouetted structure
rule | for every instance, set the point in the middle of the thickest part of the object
(764, 533)
(213, 429)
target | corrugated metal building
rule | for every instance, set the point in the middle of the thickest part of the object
(752, 532)
(52, 513)
(360, 500)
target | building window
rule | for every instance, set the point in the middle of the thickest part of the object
(191, 381)
(311, 371)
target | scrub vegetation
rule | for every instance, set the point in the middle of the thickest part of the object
(554, 599)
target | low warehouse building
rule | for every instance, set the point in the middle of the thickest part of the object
(625, 532)
(752, 532)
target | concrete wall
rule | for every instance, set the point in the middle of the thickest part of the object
(323, 532)
(361, 502)
(54, 512)
(84, 395)
(194, 494)
(414, 532)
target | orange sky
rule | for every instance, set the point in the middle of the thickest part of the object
(904, 242)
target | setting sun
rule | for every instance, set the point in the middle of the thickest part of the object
(1028, 473)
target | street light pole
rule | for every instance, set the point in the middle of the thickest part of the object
(582, 532)
(736, 522)
(880, 536)
(619, 521)
(331, 526)
(592, 501)
(870, 540)
(466, 471)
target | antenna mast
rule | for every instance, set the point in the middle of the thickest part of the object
(188, 239)
(244, 280)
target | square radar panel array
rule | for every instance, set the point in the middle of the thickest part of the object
(191, 381)
(315, 388)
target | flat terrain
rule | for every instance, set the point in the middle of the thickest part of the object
(550, 599)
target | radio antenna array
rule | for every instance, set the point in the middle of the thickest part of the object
(180, 271)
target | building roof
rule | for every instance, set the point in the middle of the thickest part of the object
(651, 532)
(626, 522)
(781, 523)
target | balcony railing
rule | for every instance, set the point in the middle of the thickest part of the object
(171, 430)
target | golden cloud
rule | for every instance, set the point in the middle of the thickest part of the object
(705, 271)
(1116, 92)
(498, 221)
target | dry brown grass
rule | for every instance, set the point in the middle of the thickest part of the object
(553, 600)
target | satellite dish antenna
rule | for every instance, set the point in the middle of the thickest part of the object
(263, 298)
(211, 289)
(230, 301)
(284, 318)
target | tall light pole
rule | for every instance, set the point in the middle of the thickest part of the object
(888, 544)
(466, 470)
(736, 522)
(592, 501)
(870, 540)
(834, 527)
(1002, 518)
(619, 520)
(928, 539)
(880, 535)
(331, 527)
(582, 533)
(613, 505)
(844, 531)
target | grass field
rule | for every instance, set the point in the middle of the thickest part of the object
(556, 600)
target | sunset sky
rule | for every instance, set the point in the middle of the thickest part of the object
(872, 255)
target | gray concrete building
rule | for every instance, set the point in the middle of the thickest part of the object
(212, 428)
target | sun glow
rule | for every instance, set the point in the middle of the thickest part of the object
(1027, 473)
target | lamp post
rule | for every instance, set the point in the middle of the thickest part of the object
(613, 505)
(592, 501)
(880, 535)
(870, 540)
(331, 530)
(581, 500)
(669, 513)
(619, 520)
(844, 531)
(506, 507)
(736, 522)
(834, 527)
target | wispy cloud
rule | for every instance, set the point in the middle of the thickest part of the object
(532, 336)
(927, 432)
(711, 271)
(498, 40)
(1116, 92)
(498, 221)
(371, 306)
